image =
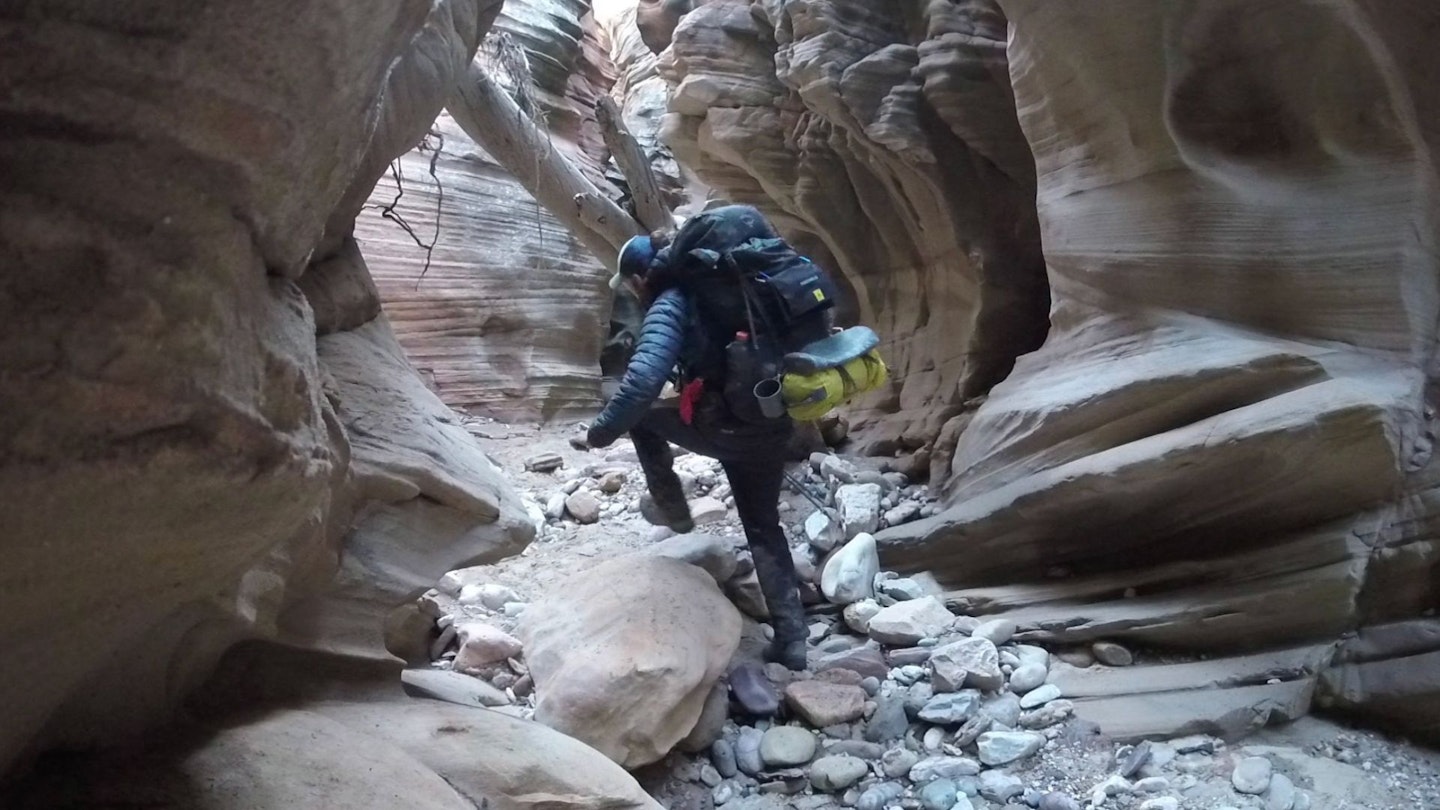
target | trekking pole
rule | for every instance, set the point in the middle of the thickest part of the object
(804, 490)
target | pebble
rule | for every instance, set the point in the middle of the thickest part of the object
(1029, 655)
(722, 756)
(747, 751)
(909, 655)
(857, 615)
(707, 510)
(943, 767)
(817, 531)
(889, 722)
(724, 792)
(866, 660)
(1111, 654)
(1004, 708)
(1003, 747)
(878, 797)
(902, 590)
(897, 762)
(998, 786)
(753, 691)
(1027, 677)
(832, 466)
(859, 507)
(544, 462)
(1058, 801)
(997, 631)
(1136, 759)
(855, 748)
(904, 512)
(1281, 795)
(573, 484)
(834, 774)
(1251, 775)
(871, 685)
(1080, 658)
(973, 728)
(583, 507)
(849, 575)
(783, 746)
(969, 662)
(1152, 784)
(710, 776)
(951, 708)
(934, 738)
(962, 802)
(905, 623)
(824, 704)
(938, 795)
(1161, 803)
(611, 482)
(1040, 696)
(1047, 715)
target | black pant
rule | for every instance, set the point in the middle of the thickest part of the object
(753, 458)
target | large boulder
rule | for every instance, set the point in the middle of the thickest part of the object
(363, 755)
(625, 653)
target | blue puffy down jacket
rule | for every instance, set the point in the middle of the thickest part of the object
(662, 336)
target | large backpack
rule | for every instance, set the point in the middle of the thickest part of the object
(760, 311)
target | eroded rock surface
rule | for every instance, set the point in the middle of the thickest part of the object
(181, 466)
(1225, 442)
(625, 654)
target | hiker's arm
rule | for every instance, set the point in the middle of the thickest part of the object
(656, 352)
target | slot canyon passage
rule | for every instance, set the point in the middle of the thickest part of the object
(303, 309)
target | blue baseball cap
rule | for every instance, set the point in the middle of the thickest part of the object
(635, 257)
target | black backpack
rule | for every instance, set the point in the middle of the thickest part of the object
(752, 301)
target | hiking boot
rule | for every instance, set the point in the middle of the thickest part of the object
(789, 654)
(666, 512)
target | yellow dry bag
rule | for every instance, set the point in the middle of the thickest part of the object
(830, 372)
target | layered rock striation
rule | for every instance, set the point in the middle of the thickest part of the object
(183, 463)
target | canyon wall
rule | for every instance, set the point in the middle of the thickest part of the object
(1224, 444)
(183, 462)
(508, 317)
(883, 141)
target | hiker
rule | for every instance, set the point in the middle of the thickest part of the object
(718, 338)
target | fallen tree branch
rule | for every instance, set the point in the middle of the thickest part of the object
(650, 207)
(494, 121)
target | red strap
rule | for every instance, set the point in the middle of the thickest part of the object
(689, 395)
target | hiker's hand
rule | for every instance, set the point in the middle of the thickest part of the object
(599, 438)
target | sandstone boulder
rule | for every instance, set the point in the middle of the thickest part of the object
(625, 653)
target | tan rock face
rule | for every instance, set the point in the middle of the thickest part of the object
(508, 319)
(887, 146)
(624, 654)
(180, 466)
(1225, 442)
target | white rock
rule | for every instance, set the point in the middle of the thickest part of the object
(858, 615)
(832, 466)
(1252, 775)
(1038, 656)
(1026, 677)
(968, 662)
(817, 531)
(707, 510)
(903, 512)
(1003, 747)
(555, 506)
(451, 583)
(998, 631)
(850, 573)
(859, 508)
(1281, 795)
(469, 595)
(583, 506)
(482, 644)
(1040, 696)
(905, 623)
(1161, 803)
(494, 596)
